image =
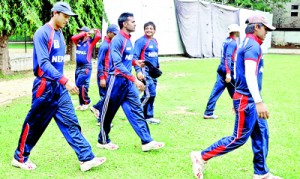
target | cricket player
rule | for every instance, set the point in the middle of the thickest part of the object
(146, 48)
(251, 112)
(84, 48)
(225, 71)
(50, 97)
(103, 66)
(122, 89)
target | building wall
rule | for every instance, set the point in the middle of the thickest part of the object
(283, 38)
(289, 17)
(161, 12)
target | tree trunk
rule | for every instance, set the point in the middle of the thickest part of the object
(71, 49)
(4, 54)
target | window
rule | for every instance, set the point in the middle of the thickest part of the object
(294, 14)
(295, 7)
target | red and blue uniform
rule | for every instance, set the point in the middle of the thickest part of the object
(226, 67)
(147, 49)
(121, 91)
(83, 71)
(103, 67)
(50, 98)
(247, 122)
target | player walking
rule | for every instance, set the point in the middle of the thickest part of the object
(251, 112)
(50, 97)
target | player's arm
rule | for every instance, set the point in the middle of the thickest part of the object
(101, 58)
(251, 60)
(116, 49)
(96, 38)
(76, 38)
(138, 47)
(229, 57)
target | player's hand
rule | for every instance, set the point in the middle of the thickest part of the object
(140, 86)
(262, 110)
(103, 83)
(71, 87)
(228, 78)
(140, 63)
(140, 76)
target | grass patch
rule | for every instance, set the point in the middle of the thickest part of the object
(20, 45)
(183, 91)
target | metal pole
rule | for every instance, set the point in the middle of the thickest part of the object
(25, 43)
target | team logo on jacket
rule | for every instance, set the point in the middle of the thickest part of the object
(129, 57)
(56, 43)
(152, 54)
(58, 59)
(79, 52)
(128, 48)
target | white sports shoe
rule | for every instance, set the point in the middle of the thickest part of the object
(266, 176)
(198, 164)
(210, 117)
(109, 146)
(28, 165)
(153, 145)
(152, 121)
(85, 166)
(95, 112)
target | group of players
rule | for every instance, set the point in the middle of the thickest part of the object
(118, 87)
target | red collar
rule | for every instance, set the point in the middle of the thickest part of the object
(259, 41)
(107, 39)
(232, 37)
(127, 36)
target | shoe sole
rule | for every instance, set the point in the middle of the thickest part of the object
(17, 164)
(107, 148)
(103, 159)
(196, 165)
(153, 148)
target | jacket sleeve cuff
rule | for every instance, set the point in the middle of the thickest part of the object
(131, 78)
(63, 80)
(102, 78)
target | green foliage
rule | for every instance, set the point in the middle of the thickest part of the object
(25, 16)
(263, 5)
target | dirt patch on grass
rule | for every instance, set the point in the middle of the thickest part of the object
(183, 110)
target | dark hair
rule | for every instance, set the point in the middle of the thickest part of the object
(123, 18)
(250, 28)
(150, 23)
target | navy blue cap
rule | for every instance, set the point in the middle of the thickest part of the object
(86, 29)
(64, 8)
(113, 28)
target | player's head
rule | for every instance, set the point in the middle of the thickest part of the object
(61, 13)
(149, 29)
(112, 30)
(234, 30)
(259, 26)
(126, 22)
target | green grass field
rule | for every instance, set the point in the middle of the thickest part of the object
(183, 91)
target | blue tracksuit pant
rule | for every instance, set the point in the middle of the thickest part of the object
(216, 92)
(51, 100)
(148, 98)
(247, 124)
(82, 78)
(122, 92)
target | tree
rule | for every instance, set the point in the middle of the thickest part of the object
(26, 16)
(263, 5)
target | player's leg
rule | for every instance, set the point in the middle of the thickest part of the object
(86, 85)
(80, 84)
(116, 90)
(133, 110)
(214, 96)
(42, 109)
(67, 122)
(260, 145)
(149, 106)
